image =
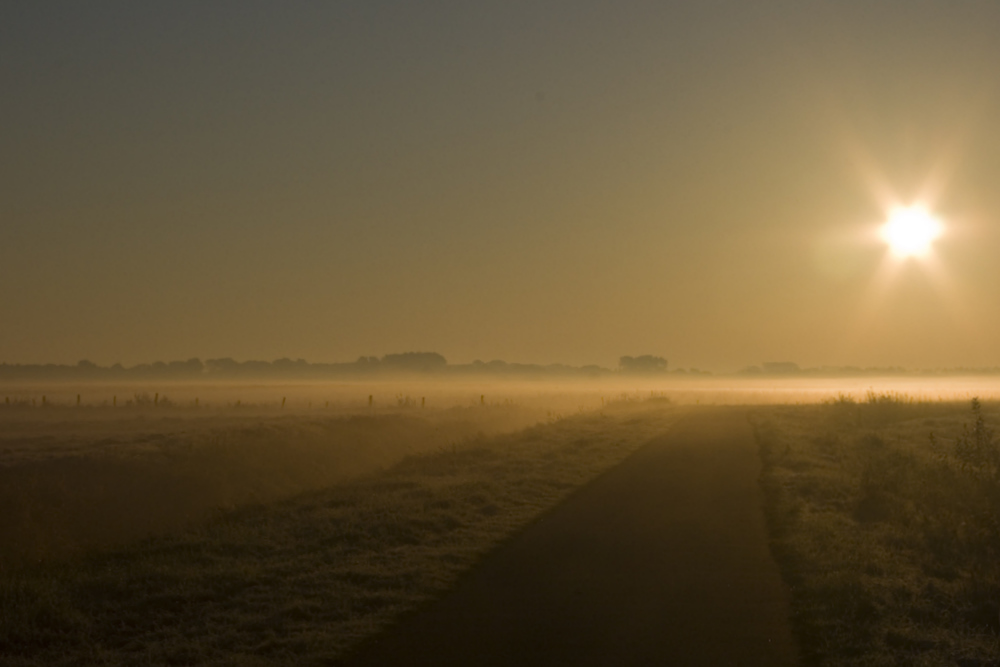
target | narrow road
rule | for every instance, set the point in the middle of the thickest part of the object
(663, 560)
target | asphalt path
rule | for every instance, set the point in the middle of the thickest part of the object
(663, 560)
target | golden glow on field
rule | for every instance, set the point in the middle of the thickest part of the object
(910, 231)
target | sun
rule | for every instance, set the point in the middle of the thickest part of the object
(910, 231)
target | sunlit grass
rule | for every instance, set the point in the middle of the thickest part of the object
(299, 581)
(68, 485)
(884, 515)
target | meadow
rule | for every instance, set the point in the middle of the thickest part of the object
(261, 538)
(884, 514)
(75, 483)
(281, 525)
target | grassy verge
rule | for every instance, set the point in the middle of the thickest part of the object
(298, 582)
(72, 485)
(885, 519)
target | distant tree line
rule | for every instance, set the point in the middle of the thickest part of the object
(422, 363)
(402, 363)
(647, 363)
(789, 369)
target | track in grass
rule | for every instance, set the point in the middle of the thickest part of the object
(298, 582)
(662, 560)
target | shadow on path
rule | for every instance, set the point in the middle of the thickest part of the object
(662, 560)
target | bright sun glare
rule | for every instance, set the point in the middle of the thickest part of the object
(910, 231)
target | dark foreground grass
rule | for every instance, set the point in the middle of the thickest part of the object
(68, 485)
(298, 582)
(885, 519)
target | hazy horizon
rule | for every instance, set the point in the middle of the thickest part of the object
(534, 182)
(415, 368)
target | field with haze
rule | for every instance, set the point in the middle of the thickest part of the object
(282, 524)
(884, 515)
(251, 535)
(320, 321)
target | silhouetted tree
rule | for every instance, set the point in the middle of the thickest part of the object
(647, 363)
(415, 361)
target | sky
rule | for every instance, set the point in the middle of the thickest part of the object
(531, 181)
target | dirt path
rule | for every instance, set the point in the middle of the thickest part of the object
(661, 561)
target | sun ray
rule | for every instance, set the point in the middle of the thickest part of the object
(911, 231)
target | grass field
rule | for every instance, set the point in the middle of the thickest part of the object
(885, 519)
(72, 479)
(297, 581)
(256, 537)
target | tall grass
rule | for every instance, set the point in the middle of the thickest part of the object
(885, 519)
(299, 581)
(67, 486)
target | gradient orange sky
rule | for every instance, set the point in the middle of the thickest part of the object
(531, 181)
